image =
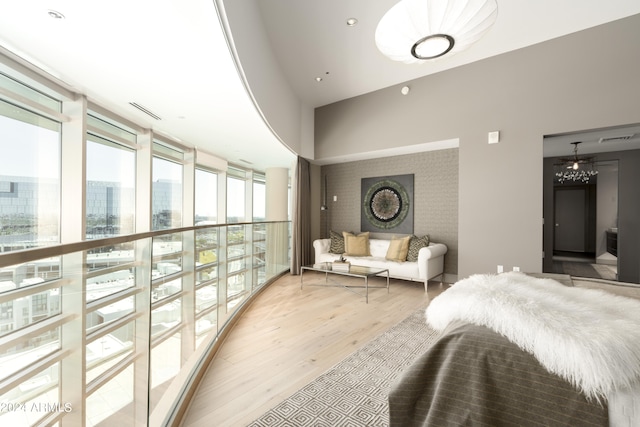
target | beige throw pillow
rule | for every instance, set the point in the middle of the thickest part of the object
(356, 245)
(398, 249)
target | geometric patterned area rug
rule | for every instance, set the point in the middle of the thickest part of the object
(354, 392)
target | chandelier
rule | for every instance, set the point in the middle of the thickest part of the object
(575, 168)
(419, 30)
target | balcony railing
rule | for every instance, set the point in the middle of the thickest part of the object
(114, 331)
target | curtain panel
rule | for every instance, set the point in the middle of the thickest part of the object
(301, 217)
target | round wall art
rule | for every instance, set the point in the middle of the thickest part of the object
(386, 204)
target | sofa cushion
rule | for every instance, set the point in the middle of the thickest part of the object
(356, 245)
(378, 247)
(337, 243)
(398, 249)
(415, 244)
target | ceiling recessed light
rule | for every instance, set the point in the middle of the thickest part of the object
(55, 14)
(351, 22)
(318, 79)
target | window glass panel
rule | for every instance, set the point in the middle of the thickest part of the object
(165, 317)
(110, 189)
(236, 287)
(32, 273)
(24, 311)
(166, 194)
(106, 351)
(29, 93)
(101, 125)
(259, 253)
(207, 274)
(28, 351)
(167, 260)
(206, 203)
(161, 290)
(165, 364)
(206, 246)
(235, 235)
(235, 200)
(167, 245)
(167, 152)
(259, 275)
(29, 179)
(259, 200)
(114, 279)
(36, 395)
(112, 404)
(205, 325)
(110, 313)
(206, 297)
(236, 265)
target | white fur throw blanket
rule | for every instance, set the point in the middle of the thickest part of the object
(589, 337)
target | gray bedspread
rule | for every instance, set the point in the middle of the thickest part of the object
(472, 376)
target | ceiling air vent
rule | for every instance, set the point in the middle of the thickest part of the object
(621, 138)
(145, 110)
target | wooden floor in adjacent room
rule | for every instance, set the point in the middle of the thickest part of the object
(289, 336)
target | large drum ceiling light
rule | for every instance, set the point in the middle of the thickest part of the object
(419, 30)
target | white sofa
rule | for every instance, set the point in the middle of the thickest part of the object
(430, 262)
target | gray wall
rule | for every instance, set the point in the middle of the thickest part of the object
(435, 196)
(585, 80)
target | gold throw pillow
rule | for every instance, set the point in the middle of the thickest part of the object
(398, 249)
(356, 245)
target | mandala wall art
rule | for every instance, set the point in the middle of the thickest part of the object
(387, 204)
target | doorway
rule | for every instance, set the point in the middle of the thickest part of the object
(617, 155)
(583, 217)
(575, 232)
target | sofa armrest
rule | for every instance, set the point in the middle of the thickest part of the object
(433, 250)
(321, 246)
(431, 261)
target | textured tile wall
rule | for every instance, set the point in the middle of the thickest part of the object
(435, 196)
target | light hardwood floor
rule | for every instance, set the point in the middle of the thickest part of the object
(288, 337)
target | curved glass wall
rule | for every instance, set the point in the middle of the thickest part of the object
(123, 323)
(116, 277)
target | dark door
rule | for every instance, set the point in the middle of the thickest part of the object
(570, 219)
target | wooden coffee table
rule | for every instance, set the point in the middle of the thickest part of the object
(354, 271)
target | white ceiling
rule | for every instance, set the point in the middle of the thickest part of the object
(311, 38)
(170, 56)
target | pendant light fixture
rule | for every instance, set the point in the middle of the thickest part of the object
(576, 169)
(420, 30)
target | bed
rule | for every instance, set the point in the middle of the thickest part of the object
(517, 350)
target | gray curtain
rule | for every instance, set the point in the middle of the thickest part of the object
(301, 218)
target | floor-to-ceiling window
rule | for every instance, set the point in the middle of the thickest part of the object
(30, 188)
(206, 208)
(207, 252)
(110, 187)
(117, 270)
(259, 210)
(29, 168)
(166, 187)
(259, 197)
